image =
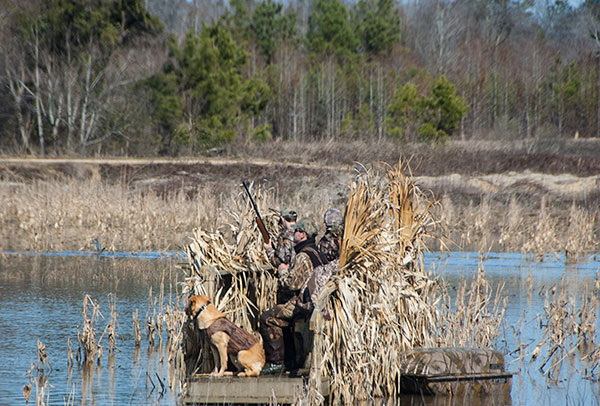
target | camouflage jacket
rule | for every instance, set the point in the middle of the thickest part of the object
(291, 280)
(312, 287)
(329, 245)
(283, 251)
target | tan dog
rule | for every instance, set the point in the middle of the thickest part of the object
(226, 339)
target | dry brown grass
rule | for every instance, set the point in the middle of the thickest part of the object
(38, 378)
(87, 336)
(516, 226)
(568, 327)
(474, 318)
(46, 216)
(69, 213)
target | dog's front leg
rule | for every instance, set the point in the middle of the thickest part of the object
(216, 359)
(220, 341)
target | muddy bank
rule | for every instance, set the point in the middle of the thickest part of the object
(467, 177)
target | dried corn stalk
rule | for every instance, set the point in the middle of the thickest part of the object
(381, 301)
(230, 266)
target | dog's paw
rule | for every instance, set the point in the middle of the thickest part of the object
(227, 373)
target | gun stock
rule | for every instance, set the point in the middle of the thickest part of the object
(259, 221)
(263, 230)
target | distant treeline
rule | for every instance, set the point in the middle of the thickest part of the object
(172, 77)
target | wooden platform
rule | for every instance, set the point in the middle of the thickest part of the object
(279, 389)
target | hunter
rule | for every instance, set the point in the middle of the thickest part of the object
(329, 244)
(283, 250)
(290, 280)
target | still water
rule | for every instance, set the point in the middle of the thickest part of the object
(41, 297)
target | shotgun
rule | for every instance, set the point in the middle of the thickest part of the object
(259, 222)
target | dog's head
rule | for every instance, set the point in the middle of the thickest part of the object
(202, 311)
(196, 304)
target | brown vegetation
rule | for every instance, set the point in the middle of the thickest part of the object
(156, 205)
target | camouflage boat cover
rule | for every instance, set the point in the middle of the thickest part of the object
(452, 361)
(466, 375)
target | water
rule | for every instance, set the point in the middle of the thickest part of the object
(41, 297)
(525, 307)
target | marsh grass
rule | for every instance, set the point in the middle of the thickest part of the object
(111, 327)
(535, 231)
(136, 329)
(70, 213)
(568, 330)
(38, 376)
(569, 327)
(88, 344)
(474, 317)
(166, 317)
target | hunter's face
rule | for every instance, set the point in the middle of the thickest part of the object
(299, 236)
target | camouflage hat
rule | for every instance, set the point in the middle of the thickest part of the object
(307, 227)
(333, 218)
(288, 214)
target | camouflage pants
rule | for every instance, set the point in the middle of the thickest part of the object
(272, 323)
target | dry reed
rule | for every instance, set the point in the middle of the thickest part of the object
(112, 324)
(475, 318)
(229, 266)
(381, 300)
(543, 239)
(38, 375)
(580, 238)
(166, 317)
(136, 329)
(70, 214)
(569, 326)
(517, 226)
(87, 336)
(512, 233)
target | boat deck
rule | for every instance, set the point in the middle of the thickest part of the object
(269, 389)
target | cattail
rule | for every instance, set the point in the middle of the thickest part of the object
(136, 329)
(27, 393)
(70, 360)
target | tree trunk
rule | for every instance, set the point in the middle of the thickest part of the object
(17, 91)
(38, 103)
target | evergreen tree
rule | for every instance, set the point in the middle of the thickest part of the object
(216, 100)
(378, 24)
(435, 117)
(270, 26)
(402, 111)
(73, 25)
(441, 112)
(329, 30)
